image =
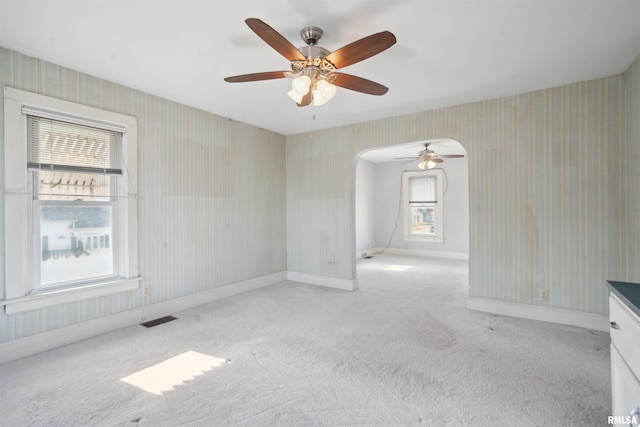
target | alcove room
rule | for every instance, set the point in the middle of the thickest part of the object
(320, 213)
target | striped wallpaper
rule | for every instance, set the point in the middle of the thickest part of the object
(627, 239)
(544, 170)
(553, 184)
(205, 219)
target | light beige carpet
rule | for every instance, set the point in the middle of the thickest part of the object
(401, 351)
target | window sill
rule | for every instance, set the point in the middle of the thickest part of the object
(64, 296)
(425, 239)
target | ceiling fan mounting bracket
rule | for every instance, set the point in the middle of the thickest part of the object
(311, 36)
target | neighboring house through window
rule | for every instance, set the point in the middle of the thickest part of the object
(422, 201)
(70, 180)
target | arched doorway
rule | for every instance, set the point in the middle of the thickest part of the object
(384, 215)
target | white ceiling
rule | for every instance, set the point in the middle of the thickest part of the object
(391, 153)
(448, 51)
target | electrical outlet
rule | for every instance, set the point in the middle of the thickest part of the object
(146, 291)
(544, 295)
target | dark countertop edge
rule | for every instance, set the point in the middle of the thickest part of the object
(611, 284)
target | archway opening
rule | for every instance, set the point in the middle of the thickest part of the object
(404, 207)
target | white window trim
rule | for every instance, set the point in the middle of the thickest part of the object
(406, 208)
(18, 231)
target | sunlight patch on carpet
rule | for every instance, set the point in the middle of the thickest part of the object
(173, 372)
(397, 267)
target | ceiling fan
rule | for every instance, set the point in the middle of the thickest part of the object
(428, 158)
(314, 67)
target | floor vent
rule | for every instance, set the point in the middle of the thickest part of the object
(367, 257)
(156, 322)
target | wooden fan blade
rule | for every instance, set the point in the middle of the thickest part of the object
(274, 39)
(358, 84)
(436, 160)
(268, 75)
(361, 49)
(306, 100)
(451, 156)
(404, 158)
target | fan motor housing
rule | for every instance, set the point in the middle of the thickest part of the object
(314, 51)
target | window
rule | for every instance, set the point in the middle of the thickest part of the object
(74, 172)
(71, 190)
(422, 199)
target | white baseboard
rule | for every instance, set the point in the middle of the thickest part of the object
(420, 252)
(215, 294)
(327, 282)
(598, 322)
(38, 343)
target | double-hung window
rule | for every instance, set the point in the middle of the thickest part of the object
(70, 196)
(422, 199)
(74, 172)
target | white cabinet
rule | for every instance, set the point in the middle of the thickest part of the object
(625, 360)
(625, 387)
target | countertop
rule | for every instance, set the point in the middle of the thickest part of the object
(628, 293)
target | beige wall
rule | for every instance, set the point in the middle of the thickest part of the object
(627, 238)
(206, 220)
(542, 167)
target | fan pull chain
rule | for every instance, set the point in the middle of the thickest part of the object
(313, 118)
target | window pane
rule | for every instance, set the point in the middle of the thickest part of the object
(73, 186)
(76, 243)
(423, 189)
(423, 219)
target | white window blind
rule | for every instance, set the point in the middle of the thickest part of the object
(68, 147)
(423, 190)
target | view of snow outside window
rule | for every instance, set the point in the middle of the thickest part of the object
(76, 243)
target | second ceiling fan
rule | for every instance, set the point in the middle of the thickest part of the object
(428, 158)
(314, 67)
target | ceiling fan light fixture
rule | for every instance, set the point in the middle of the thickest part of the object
(301, 84)
(299, 88)
(422, 164)
(323, 92)
(430, 164)
(295, 96)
